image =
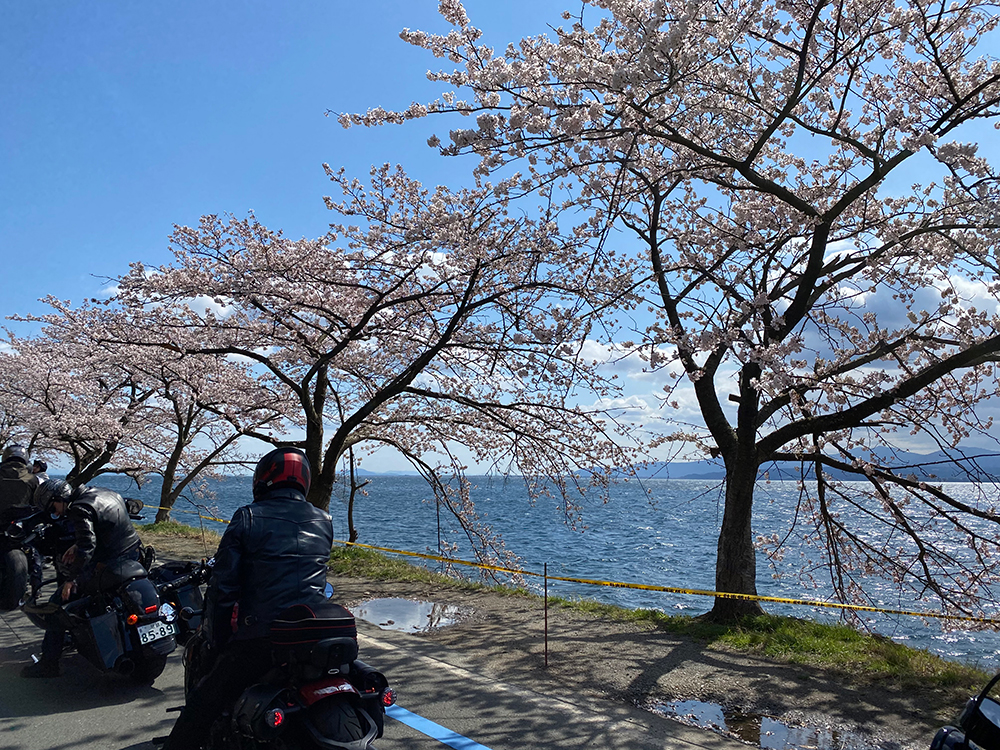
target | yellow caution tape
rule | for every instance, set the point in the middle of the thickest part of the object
(693, 592)
(193, 512)
(649, 587)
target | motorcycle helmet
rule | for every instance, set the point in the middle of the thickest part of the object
(15, 453)
(50, 491)
(281, 468)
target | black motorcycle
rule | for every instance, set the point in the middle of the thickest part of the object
(978, 725)
(180, 585)
(119, 625)
(318, 694)
(15, 555)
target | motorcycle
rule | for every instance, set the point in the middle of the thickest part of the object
(119, 625)
(180, 585)
(978, 725)
(15, 556)
(318, 694)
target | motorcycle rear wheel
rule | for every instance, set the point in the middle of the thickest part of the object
(337, 719)
(149, 668)
(13, 578)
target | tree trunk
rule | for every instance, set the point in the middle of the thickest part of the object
(320, 491)
(167, 494)
(167, 499)
(736, 567)
(352, 533)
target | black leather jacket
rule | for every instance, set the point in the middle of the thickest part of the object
(273, 555)
(17, 485)
(102, 527)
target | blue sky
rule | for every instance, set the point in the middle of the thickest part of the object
(119, 120)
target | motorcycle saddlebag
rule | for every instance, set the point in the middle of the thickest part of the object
(99, 639)
(316, 639)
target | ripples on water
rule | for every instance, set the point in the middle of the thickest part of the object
(669, 541)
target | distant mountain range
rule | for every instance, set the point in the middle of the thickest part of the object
(365, 473)
(977, 466)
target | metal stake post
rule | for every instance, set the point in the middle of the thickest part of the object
(545, 575)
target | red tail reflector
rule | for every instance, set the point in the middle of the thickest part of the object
(388, 697)
(150, 609)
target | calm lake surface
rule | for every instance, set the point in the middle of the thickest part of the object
(667, 541)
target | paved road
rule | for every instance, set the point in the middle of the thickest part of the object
(442, 701)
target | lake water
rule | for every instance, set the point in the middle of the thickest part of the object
(669, 541)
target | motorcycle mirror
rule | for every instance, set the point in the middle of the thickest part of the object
(134, 507)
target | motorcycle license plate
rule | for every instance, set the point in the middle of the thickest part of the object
(155, 631)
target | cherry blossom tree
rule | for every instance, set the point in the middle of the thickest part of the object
(440, 320)
(209, 404)
(123, 409)
(13, 431)
(183, 416)
(819, 242)
(78, 402)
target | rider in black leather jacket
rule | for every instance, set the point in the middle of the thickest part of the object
(274, 554)
(103, 529)
(17, 483)
(104, 534)
(280, 546)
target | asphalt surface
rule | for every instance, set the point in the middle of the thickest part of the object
(443, 701)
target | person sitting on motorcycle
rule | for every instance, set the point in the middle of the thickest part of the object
(17, 482)
(41, 470)
(55, 535)
(273, 555)
(103, 534)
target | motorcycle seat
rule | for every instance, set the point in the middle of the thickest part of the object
(117, 572)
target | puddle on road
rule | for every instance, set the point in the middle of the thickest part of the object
(408, 615)
(763, 731)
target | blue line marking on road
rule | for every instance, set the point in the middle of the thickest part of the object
(432, 730)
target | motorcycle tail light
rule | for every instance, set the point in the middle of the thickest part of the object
(388, 697)
(274, 718)
(150, 609)
(132, 619)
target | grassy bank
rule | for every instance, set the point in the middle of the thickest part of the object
(831, 647)
(825, 646)
(173, 529)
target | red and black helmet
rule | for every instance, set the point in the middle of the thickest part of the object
(281, 468)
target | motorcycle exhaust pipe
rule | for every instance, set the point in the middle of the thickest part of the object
(125, 665)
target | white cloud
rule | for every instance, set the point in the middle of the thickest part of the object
(218, 307)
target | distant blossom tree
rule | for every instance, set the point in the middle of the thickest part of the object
(116, 407)
(79, 402)
(819, 244)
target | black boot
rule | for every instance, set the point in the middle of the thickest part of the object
(41, 669)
